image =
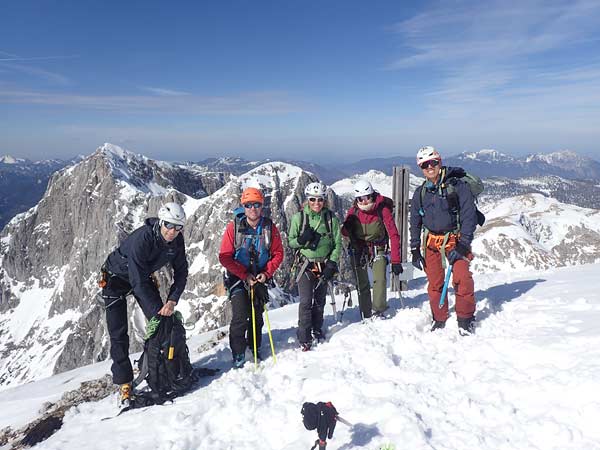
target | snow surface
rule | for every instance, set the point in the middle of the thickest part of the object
(528, 379)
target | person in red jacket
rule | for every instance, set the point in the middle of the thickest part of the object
(373, 235)
(251, 251)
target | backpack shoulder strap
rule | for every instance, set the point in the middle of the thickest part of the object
(303, 222)
(328, 220)
(237, 234)
(267, 227)
(421, 198)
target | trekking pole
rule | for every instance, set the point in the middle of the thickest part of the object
(270, 335)
(254, 326)
(332, 295)
(354, 263)
(346, 295)
(445, 288)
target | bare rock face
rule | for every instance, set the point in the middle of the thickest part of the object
(50, 317)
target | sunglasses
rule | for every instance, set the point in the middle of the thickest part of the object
(316, 199)
(431, 163)
(172, 226)
(254, 205)
(364, 198)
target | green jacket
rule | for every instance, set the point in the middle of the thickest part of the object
(330, 244)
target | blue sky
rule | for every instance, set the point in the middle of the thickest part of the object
(313, 80)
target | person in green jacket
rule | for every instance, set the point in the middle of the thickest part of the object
(315, 234)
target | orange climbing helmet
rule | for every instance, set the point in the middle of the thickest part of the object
(252, 194)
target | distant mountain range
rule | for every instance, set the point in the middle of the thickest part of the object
(491, 163)
(23, 182)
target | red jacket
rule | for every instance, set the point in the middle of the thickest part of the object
(227, 253)
(371, 216)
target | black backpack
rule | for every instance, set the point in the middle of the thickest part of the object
(165, 363)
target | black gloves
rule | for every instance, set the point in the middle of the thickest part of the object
(417, 259)
(329, 271)
(309, 238)
(322, 416)
(397, 268)
(261, 294)
(459, 252)
(306, 236)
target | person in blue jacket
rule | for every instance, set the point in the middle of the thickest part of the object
(129, 270)
(443, 224)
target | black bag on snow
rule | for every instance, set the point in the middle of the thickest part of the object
(320, 416)
(165, 363)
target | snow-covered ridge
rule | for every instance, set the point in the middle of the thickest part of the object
(560, 156)
(8, 159)
(487, 155)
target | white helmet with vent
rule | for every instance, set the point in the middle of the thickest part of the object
(427, 153)
(173, 213)
(362, 187)
(315, 189)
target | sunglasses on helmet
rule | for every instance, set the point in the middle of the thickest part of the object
(254, 205)
(172, 226)
(430, 163)
(316, 199)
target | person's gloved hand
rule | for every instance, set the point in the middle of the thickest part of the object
(261, 294)
(417, 259)
(459, 252)
(329, 271)
(397, 268)
(327, 420)
(306, 236)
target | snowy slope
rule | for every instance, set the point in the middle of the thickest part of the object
(528, 379)
(381, 182)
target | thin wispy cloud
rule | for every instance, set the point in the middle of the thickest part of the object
(164, 92)
(51, 77)
(495, 31)
(499, 54)
(35, 58)
(246, 103)
(12, 62)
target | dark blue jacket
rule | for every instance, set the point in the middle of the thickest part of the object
(436, 215)
(145, 251)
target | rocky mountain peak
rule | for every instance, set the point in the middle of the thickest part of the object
(8, 159)
(50, 256)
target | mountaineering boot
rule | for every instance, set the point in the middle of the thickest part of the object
(318, 336)
(466, 326)
(438, 325)
(125, 395)
(239, 360)
(378, 315)
(305, 346)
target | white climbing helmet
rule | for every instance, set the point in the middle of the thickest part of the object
(315, 189)
(173, 213)
(362, 187)
(427, 153)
